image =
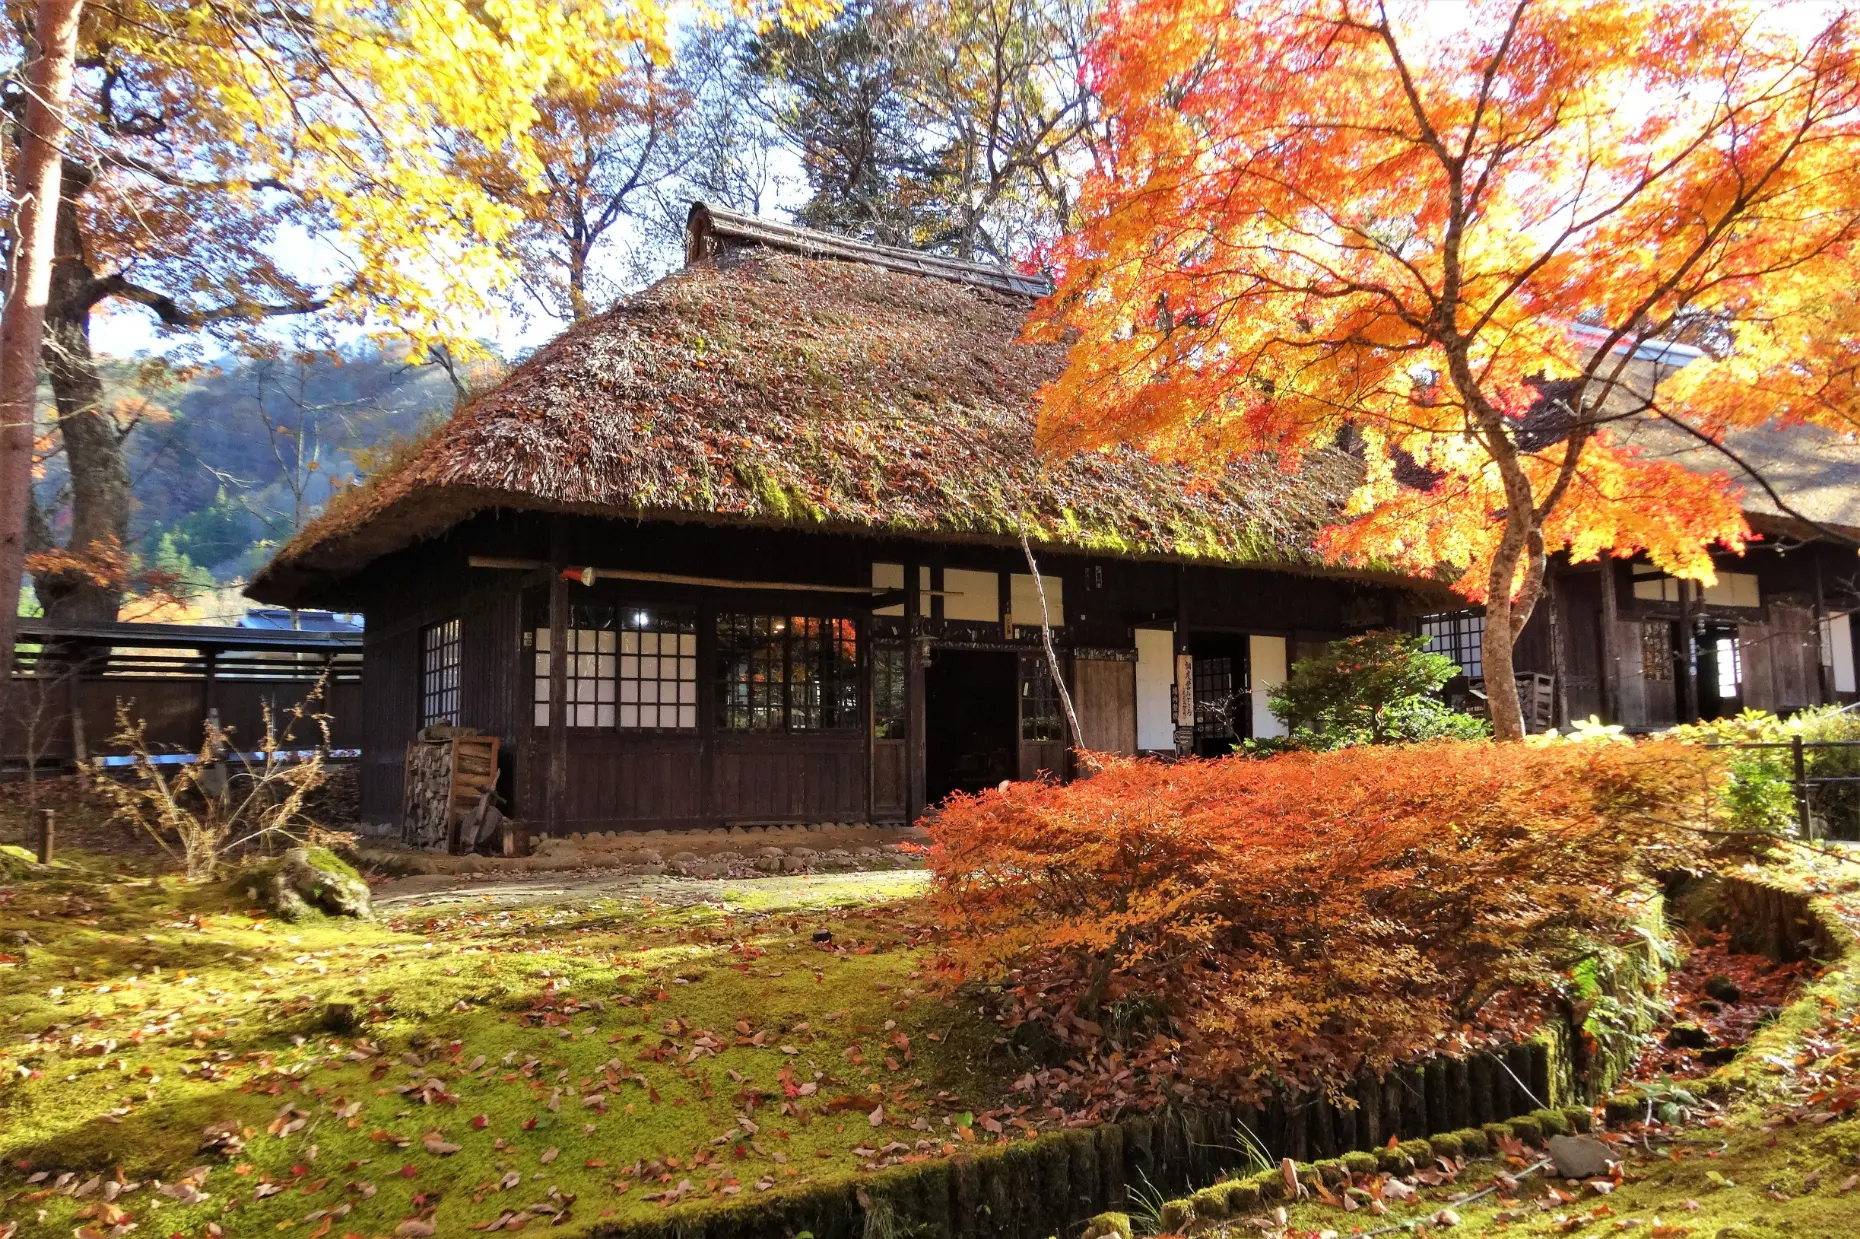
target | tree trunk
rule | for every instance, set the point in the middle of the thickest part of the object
(91, 588)
(22, 323)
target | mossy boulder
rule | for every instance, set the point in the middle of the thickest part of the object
(1108, 1226)
(306, 882)
(17, 864)
(1446, 1145)
(1175, 1216)
(1581, 1119)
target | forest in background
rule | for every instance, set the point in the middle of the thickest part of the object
(957, 126)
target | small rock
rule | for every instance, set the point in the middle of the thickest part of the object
(339, 1017)
(649, 857)
(1723, 988)
(684, 858)
(803, 853)
(1687, 1037)
(771, 853)
(1579, 1157)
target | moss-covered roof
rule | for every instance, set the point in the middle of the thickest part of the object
(773, 387)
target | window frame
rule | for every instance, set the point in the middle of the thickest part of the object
(442, 650)
(1458, 635)
(829, 704)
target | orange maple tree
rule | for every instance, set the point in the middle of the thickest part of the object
(1452, 240)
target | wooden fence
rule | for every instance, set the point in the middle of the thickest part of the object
(67, 681)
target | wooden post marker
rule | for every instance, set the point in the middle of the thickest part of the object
(47, 831)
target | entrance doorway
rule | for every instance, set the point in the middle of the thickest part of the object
(971, 738)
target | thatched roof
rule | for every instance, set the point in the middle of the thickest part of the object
(784, 378)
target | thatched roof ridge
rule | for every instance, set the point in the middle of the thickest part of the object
(765, 387)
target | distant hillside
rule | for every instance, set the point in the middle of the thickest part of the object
(229, 463)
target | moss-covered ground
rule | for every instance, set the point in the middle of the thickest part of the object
(1769, 1149)
(464, 1059)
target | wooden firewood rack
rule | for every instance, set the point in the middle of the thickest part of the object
(446, 777)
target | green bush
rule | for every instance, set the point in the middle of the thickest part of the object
(1761, 792)
(1377, 688)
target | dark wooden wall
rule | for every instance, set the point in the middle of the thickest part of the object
(645, 780)
(1778, 642)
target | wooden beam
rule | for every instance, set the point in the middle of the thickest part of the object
(880, 595)
(558, 689)
(915, 792)
(1611, 642)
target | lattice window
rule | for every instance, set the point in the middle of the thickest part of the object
(1041, 719)
(1217, 699)
(888, 671)
(1656, 650)
(787, 672)
(592, 646)
(658, 669)
(1460, 635)
(441, 656)
(823, 674)
(751, 650)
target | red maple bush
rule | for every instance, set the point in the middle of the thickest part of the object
(1305, 917)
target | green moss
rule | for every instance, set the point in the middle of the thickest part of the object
(1210, 1203)
(1552, 1122)
(1446, 1145)
(1580, 1118)
(1243, 1197)
(323, 858)
(1473, 1142)
(458, 983)
(1495, 1132)
(16, 863)
(1332, 1171)
(1527, 1129)
(1359, 1162)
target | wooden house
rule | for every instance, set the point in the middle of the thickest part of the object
(1621, 640)
(770, 513)
(747, 549)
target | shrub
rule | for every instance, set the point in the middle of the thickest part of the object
(1760, 793)
(1378, 688)
(1309, 914)
(221, 799)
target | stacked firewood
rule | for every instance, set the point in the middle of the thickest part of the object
(451, 781)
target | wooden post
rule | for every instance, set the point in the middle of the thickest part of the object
(48, 826)
(79, 665)
(1824, 689)
(558, 683)
(1611, 654)
(868, 716)
(914, 773)
(1559, 669)
(1799, 759)
(1684, 654)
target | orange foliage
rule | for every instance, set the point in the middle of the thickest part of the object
(1306, 916)
(1446, 229)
